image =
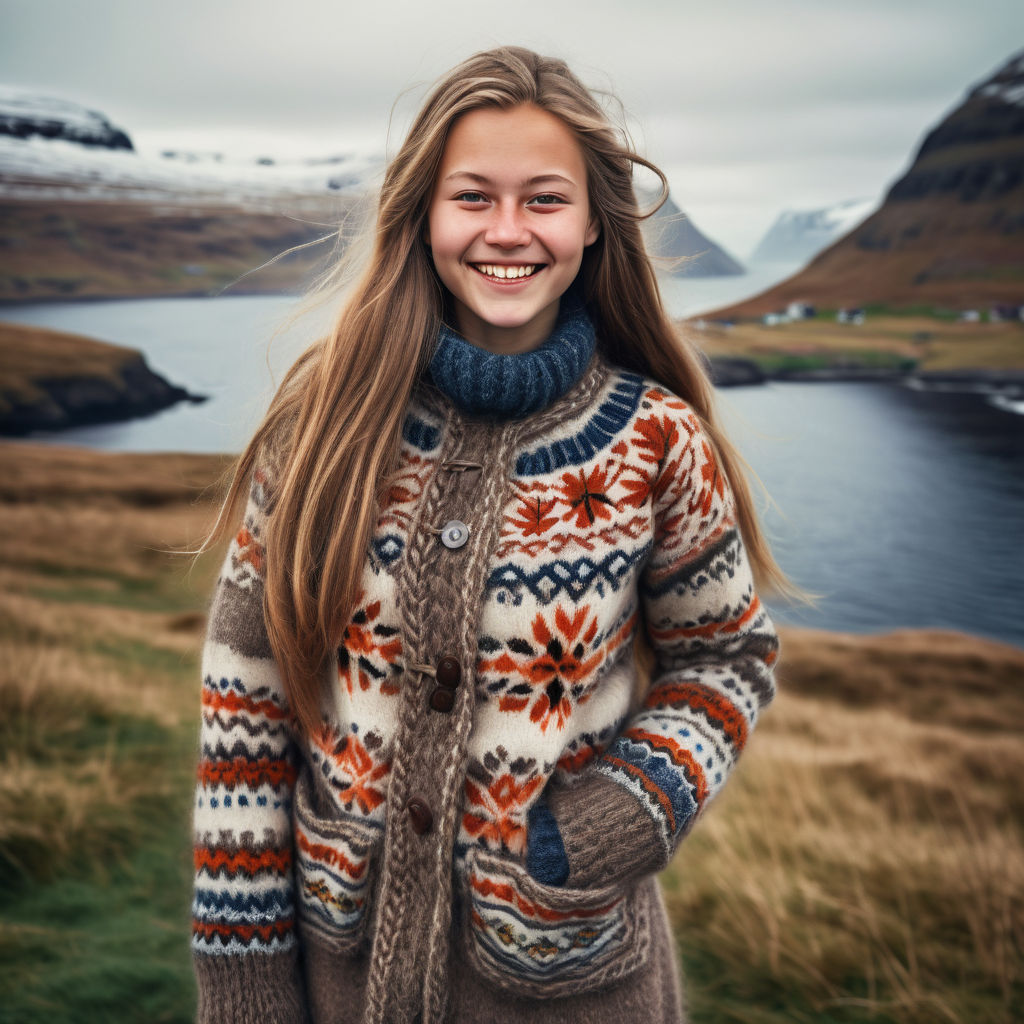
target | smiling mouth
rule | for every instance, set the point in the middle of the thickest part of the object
(498, 272)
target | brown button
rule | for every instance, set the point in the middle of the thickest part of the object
(442, 699)
(449, 672)
(420, 816)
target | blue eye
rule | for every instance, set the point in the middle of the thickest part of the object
(471, 197)
(547, 199)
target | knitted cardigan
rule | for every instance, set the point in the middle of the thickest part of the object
(473, 832)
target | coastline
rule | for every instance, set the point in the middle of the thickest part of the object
(738, 372)
(52, 380)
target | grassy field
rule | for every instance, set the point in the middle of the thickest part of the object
(887, 340)
(866, 864)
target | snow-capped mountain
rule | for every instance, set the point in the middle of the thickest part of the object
(51, 150)
(25, 115)
(798, 235)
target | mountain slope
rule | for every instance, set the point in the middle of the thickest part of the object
(951, 230)
(686, 252)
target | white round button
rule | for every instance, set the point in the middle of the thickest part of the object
(454, 534)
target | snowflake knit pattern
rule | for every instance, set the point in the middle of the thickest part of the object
(483, 684)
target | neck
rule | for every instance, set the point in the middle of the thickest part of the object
(506, 341)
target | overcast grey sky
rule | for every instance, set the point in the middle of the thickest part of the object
(750, 106)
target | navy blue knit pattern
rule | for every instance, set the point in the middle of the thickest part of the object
(597, 433)
(545, 856)
(483, 383)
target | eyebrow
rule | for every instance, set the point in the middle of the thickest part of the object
(540, 179)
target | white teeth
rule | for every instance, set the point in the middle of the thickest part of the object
(504, 273)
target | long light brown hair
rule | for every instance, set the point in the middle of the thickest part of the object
(333, 428)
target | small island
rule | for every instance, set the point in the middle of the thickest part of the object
(51, 380)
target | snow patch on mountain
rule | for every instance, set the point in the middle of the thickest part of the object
(1007, 84)
(64, 165)
(798, 235)
(25, 114)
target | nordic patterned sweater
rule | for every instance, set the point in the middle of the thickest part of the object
(482, 718)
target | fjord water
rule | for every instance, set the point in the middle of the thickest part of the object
(900, 508)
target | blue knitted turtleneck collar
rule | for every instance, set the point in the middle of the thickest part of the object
(483, 383)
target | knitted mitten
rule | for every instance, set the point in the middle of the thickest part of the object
(604, 834)
(545, 854)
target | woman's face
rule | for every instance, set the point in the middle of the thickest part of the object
(509, 219)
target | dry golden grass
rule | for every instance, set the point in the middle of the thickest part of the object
(869, 852)
(866, 862)
(99, 627)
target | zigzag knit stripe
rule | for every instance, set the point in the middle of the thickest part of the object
(227, 941)
(230, 696)
(241, 906)
(573, 577)
(717, 564)
(223, 860)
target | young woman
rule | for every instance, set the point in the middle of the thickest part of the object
(435, 784)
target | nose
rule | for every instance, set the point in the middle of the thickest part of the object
(507, 227)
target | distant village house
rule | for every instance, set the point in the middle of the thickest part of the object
(850, 316)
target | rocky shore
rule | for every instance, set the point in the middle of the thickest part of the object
(50, 380)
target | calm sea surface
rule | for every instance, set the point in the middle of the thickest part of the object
(899, 507)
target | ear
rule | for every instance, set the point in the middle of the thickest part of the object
(593, 230)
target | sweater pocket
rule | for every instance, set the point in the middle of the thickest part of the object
(533, 939)
(334, 860)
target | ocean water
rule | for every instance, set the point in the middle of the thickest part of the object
(900, 508)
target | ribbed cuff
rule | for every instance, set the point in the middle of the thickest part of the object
(607, 836)
(253, 988)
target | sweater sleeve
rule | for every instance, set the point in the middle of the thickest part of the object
(243, 932)
(715, 648)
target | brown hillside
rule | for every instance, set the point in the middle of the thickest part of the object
(71, 250)
(950, 233)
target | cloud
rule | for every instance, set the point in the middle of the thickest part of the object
(803, 97)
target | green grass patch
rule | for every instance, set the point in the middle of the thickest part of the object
(919, 310)
(101, 779)
(161, 592)
(810, 362)
(148, 658)
(108, 941)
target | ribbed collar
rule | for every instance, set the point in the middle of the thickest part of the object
(482, 383)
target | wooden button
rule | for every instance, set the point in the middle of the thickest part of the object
(449, 672)
(442, 700)
(420, 816)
